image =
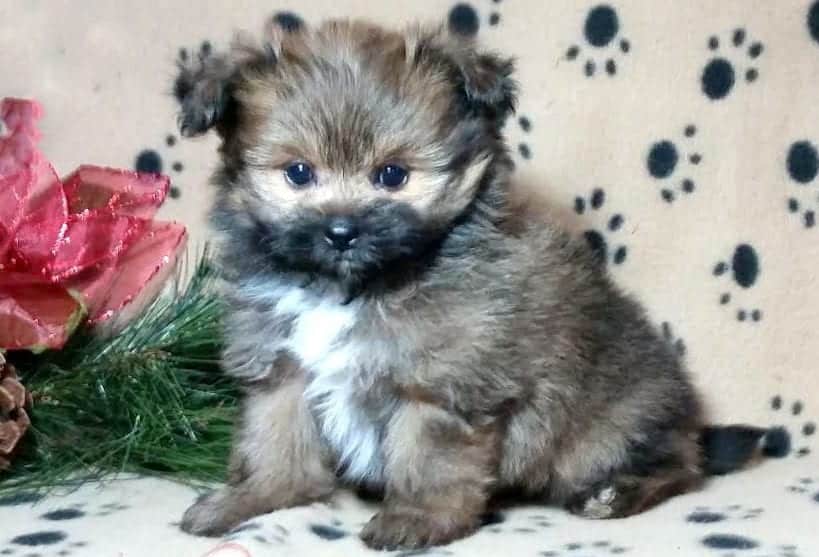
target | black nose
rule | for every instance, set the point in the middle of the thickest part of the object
(341, 233)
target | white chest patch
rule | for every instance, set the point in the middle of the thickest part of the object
(338, 369)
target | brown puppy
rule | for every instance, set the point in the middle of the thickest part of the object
(396, 324)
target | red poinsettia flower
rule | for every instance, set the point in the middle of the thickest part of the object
(80, 248)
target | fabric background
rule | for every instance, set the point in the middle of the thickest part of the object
(680, 136)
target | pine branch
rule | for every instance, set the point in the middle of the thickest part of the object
(150, 400)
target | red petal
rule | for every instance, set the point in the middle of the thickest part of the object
(13, 192)
(36, 315)
(136, 194)
(140, 272)
(92, 239)
(18, 151)
(44, 222)
(18, 134)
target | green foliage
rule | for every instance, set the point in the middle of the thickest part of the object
(150, 400)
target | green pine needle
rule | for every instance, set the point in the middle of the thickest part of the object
(150, 400)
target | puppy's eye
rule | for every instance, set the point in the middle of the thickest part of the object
(392, 176)
(299, 174)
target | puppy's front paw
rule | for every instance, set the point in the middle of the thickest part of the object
(414, 529)
(215, 514)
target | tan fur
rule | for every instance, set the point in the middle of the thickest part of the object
(277, 461)
(440, 472)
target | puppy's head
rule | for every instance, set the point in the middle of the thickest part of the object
(347, 149)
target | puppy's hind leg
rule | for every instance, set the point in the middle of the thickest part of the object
(625, 495)
(276, 463)
(636, 488)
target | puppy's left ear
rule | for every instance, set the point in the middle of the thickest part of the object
(485, 79)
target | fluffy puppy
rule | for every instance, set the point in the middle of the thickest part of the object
(396, 323)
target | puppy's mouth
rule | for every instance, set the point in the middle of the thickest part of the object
(351, 247)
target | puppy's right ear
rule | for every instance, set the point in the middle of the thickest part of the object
(206, 82)
(203, 89)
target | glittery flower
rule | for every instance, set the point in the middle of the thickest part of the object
(80, 248)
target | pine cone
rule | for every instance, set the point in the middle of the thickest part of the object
(14, 420)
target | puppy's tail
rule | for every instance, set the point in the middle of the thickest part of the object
(728, 448)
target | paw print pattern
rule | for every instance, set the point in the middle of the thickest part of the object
(53, 537)
(328, 532)
(601, 32)
(464, 19)
(599, 548)
(803, 167)
(46, 543)
(806, 486)
(596, 239)
(803, 486)
(494, 15)
(720, 74)
(668, 336)
(744, 268)
(726, 543)
(79, 511)
(663, 160)
(540, 520)
(800, 431)
(524, 150)
(149, 160)
(813, 21)
(707, 515)
(251, 533)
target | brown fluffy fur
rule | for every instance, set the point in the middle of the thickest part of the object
(480, 349)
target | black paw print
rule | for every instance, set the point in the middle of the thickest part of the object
(494, 15)
(806, 486)
(601, 31)
(77, 511)
(328, 532)
(744, 267)
(813, 21)
(149, 160)
(601, 548)
(540, 520)
(662, 163)
(524, 150)
(597, 240)
(707, 515)
(464, 19)
(668, 336)
(719, 75)
(735, 542)
(44, 542)
(265, 534)
(803, 167)
(780, 440)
